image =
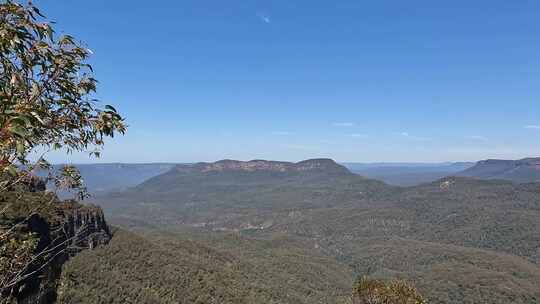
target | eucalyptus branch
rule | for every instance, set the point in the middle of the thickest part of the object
(46, 102)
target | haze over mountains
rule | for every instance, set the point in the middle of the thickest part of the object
(199, 192)
(459, 239)
(103, 178)
(408, 174)
(525, 170)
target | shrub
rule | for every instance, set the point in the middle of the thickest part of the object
(372, 291)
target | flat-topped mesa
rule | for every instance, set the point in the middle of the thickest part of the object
(533, 163)
(320, 165)
(530, 161)
(525, 170)
(500, 164)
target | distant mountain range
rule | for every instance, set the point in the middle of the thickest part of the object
(408, 174)
(187, 189)
(103, 178)
(459, 239)
(525, 170)
(321, 165)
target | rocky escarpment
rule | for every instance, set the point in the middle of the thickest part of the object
(326, 165)
(39, 234)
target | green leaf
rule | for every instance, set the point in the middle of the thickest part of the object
(11, 170)
(21, 148)
(111, 108)
(36, 10)
(19, 131)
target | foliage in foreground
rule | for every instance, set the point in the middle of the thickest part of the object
(46, 103)
(46, 90)
(47, 98)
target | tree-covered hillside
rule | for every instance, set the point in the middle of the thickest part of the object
(185, 268)
(460, 240)
(525, 170)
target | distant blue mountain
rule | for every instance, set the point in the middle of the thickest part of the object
(520, 171)
(102, 178)
(408, 174)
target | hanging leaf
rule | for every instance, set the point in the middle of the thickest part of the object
(49, 82)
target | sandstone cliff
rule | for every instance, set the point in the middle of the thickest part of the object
(39, 234)
(322, 164)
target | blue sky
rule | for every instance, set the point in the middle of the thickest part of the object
(351, 80)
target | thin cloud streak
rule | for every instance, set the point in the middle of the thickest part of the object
(264, 18)
(413, 137)
(535, 127)
(478, 137)
(358, 135)
(282, 133)
(343, 124)
(298, 147)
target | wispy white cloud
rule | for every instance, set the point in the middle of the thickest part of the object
(282, 133)
(298, 147)
(478, 138)
(413, 137)
(536, 127)
(358, 135)
(343, 124)
(264, 18)
(327, 142)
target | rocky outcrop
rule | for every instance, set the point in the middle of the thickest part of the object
(325, 165)
(59, 230)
